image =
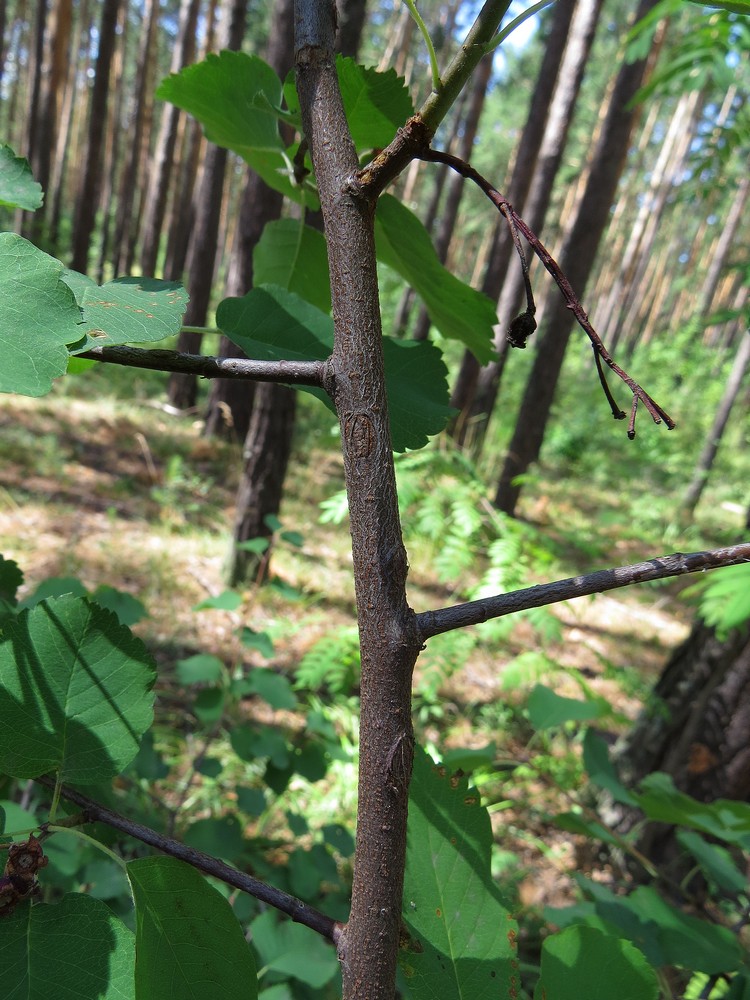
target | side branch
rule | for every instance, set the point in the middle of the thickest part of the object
(286, 372)
(432, 623)
(294, 908)
(524, 325)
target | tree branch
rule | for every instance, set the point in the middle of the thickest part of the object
(294, 908)
(523, 325)
(474, 612)
(286, 372)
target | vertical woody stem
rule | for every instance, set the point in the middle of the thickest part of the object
(388, 637)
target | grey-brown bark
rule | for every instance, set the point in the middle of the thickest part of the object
(523, 170)
(697, 730)
(576, 260)
(230, 404)
(163, 159)
(389, 643)
(87, 200)
(203, 248)
(129, 203)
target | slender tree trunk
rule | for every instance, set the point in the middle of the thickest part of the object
(203, 248)
(727, 238)
(523, 169)
(69, 113)
(56, 59)
(369, 942)
(580, 40)
(87, 201)
(110, 169)
(133, 174)
(576, 260)
(163, 160)
(36, 58)
(721, 419)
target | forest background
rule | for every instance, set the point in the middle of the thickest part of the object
(108, 491)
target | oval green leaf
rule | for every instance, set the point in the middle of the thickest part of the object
(75, 692)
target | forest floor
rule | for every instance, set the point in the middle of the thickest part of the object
(126, 495)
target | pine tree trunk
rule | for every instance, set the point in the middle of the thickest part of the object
(449, 213)
(87, 201)
(697, 730)
(576, 260)
(721, 419)
(129, 203)
(163, 159)
(580, 40)
(523, 169)
(203, 248)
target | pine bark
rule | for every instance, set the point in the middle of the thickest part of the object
(87, 201)
(203, 248)
(719, 425)
(163, 159)
(560, 114)
(525, 160)
(697, 730)
(576, 260)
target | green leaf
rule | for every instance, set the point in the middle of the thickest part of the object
(462, 940)
(129, 609)
(202, 668)
(252, 742)
(735, 6)
(11, 578)
(725, 819)
(260, 641)
(376, 103)
(726, 598)
(272, 687)
(582, 963)
(271, 323)
(716, 862)
(189, 945)
(127, 310)
(294, 950)
(576, 823)
(74, 950)
(600, 769)
(547, 709)
(233, 96)
(665, 935)
(38, 318)
(294, 256)
(220, 837)
(75, 692)
(209, 705)
(54, 586)
(18, 189)
(459, 311)
(227, 600)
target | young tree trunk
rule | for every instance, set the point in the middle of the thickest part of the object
(523, 170)
(388, 639)
(576, 260)
(87, 201)
(536, 203)
(163, 159)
